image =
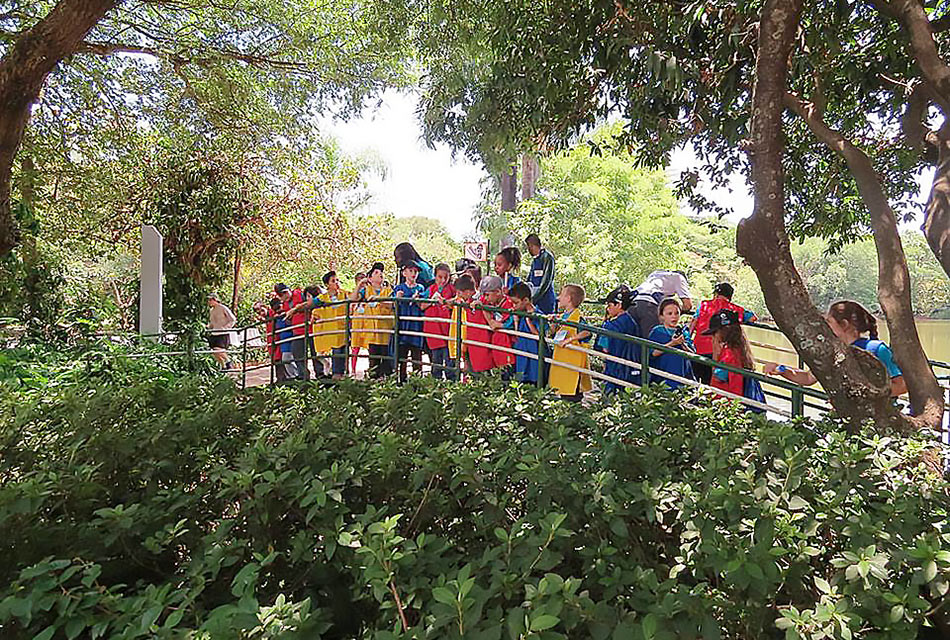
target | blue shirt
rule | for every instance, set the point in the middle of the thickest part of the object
(541, 280)
(620, 348)
(670, 362)
(526, 369)
(408, 310)
(882, 352)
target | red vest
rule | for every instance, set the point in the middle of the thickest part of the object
(707, 309)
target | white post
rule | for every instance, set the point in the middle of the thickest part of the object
(150, 282)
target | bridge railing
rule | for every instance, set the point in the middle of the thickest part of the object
(794, 400)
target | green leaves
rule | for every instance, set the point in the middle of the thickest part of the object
(541, 520)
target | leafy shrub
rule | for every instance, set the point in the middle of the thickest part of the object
(181, 506)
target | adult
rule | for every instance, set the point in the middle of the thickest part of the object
(291, 304)
(220, 320)
(405, 253)
(658, 286)
(541, 277)
(722, 299)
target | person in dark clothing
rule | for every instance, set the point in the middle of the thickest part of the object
(541, 277)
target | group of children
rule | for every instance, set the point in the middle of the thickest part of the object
(505, 336)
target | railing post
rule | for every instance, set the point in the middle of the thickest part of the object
(244, 360)
(396, 337)
(458, 341)
(644, 364)
(542, 351)
(798, 402)
(347, 326)
(273, 346)
(307, 346)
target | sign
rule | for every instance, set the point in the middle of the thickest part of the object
(477, 251)
(150, 283)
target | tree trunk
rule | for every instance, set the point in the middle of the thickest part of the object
(893, 278)
(509, 189)
(936, 72)
(236, 287)
(23, 71)
(854, 380)
(530, 172)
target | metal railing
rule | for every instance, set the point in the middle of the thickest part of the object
(784, 398)
(795, 400)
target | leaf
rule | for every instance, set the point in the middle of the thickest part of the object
(649, 626)
(797, 503)
(544, 621)
(930, 571)
(443, 595)
(897, 612)
(45, 634)
(822, 584)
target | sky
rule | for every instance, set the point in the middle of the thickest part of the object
(430, 182)
(419, 181)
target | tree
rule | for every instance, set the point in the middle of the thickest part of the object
(23, 70)
(683, 72)
(254, 70)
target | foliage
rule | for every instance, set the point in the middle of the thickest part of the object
(200, 201)
(135, 507)
(607, 221)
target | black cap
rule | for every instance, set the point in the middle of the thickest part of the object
(724, 289)
(280, 287)
(723, 318)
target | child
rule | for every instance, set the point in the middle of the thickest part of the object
(358, 337)
(481, 356)
(569, 384)
(494, 296)
(526, 369)
(310, 305)
(619, 321)
(731, 347)
(722, 299)
(669, 333)
(378, 323)
(329, 335)
(851, 322)
(410, 345)
(507, 263)
(464, 296)
(441, 290)
(287, 370)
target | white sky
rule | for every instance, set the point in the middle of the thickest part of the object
(429, 182)
(419, 181)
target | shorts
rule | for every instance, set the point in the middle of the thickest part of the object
(219, 340)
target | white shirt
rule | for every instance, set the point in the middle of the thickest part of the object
(669, 283)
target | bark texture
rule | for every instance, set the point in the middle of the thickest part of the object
(509, 189)
(936, 73)
(854, 380)
(23, 70)
(530, 172)
(893, 278)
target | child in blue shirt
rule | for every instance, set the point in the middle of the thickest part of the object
(853, 324)
(526, 369)
(669, 333)
(410, 346)
(618, 321)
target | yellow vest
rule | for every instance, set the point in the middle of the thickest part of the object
(327, 319)
(371, 325)
(453, 333)
(567, 382)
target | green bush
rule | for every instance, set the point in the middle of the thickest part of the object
(183, 507)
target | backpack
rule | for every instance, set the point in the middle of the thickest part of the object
(752, 389)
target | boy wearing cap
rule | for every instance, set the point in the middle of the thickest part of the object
(292, 302)
(482, 357)
(722, 299)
